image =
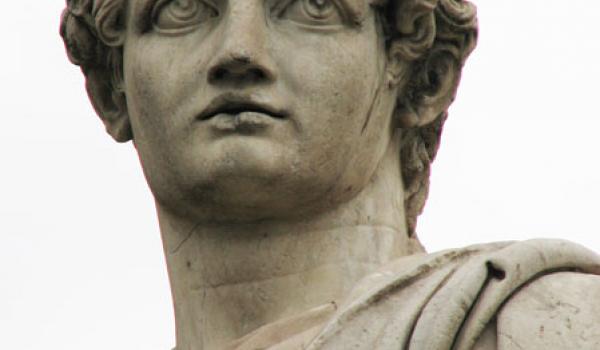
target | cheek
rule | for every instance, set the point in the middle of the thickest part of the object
(161, 75)
(334, 79)
(334, 76)
(148, 104)
(154, 89)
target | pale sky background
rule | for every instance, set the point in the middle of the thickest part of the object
(81, 263)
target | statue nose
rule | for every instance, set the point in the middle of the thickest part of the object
(243, 56)
(240, 70)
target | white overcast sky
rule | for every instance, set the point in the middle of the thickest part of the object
(81, 263)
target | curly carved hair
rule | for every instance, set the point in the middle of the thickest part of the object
(433, 35)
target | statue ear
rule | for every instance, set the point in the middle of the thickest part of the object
(110, 102)
(104, 82)
(425, 71)
(430, 90)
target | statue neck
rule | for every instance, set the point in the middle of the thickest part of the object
(230, 279)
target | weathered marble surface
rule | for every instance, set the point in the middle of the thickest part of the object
(288, 145)
(538, 294)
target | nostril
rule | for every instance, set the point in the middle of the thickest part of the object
(257, 74)
(237, 72)
(218, 74)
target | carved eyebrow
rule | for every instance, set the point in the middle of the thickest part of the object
(354, 11)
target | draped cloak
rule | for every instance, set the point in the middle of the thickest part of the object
(438, 301)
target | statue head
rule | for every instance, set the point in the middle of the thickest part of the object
(251, 109)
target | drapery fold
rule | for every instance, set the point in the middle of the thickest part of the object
(444, 300)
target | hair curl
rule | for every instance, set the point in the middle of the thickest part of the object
(422, 32)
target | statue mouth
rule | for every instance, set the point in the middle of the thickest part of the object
(234, 113)
(235, 106)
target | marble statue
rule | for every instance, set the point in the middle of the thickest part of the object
(288, 144)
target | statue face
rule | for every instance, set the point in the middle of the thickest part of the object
(252, 109)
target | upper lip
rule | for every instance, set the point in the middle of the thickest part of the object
(234, 104)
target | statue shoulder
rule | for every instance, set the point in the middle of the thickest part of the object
(555, 311)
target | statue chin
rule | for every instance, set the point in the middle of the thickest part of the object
(245, 179)
(239, 199)
(249, 192)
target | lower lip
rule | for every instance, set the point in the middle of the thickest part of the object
(245, 122)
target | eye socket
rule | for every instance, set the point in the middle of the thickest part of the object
(177, 16)
(313, 13)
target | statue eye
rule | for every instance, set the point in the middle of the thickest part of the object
(175, 16)
(313, 13)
